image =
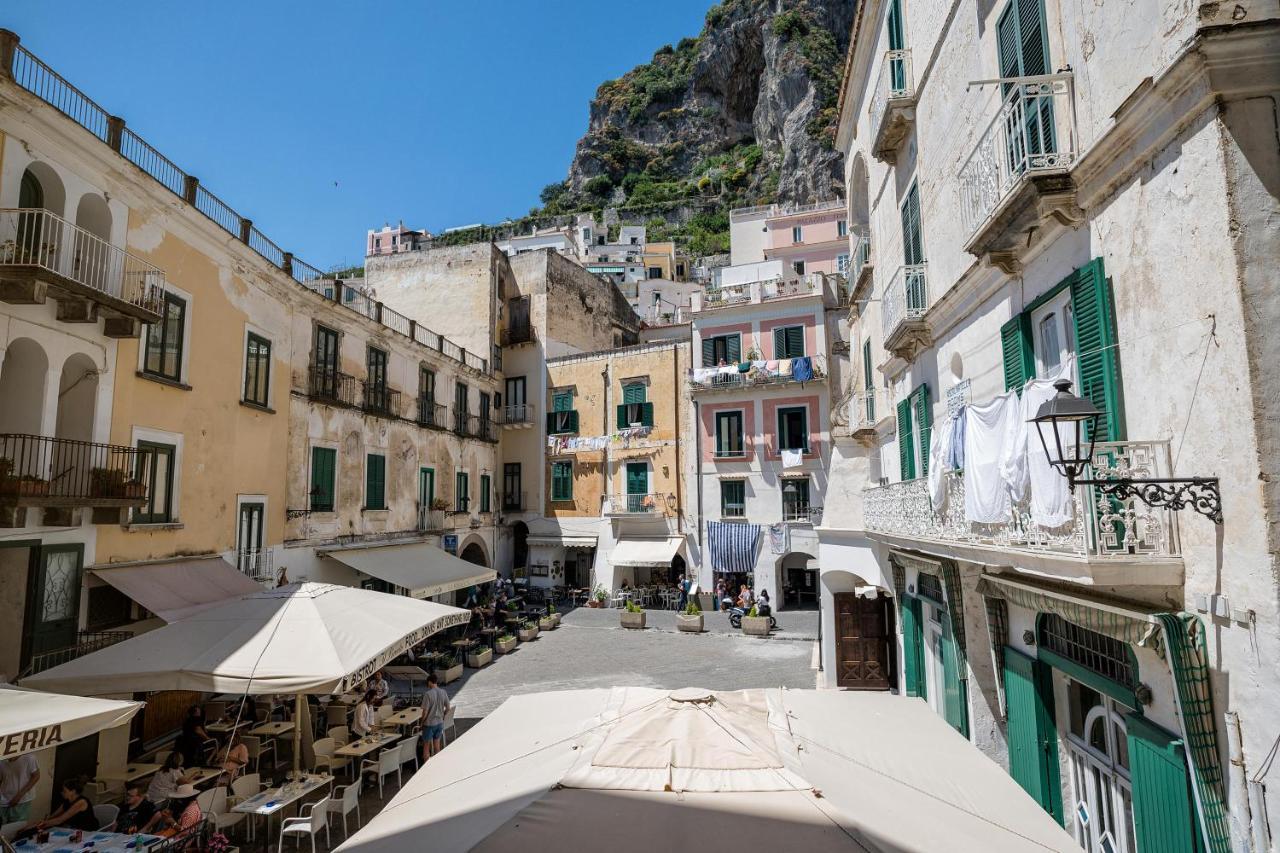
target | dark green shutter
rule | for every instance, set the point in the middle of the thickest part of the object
(323, 463)
(955, 704)
(788, 342)
(622, 416)
(906, 459)
(912, 647)
(562, 402)
(1096, 359)
(1032, 736)
(1163, 807)
(708, 352)
(1019, 354)
(375, 481)
(462, 492)
(733, 346)
(646, 414)
(912, 242)
(484, 492)
(924, 417)
(633, 393)
(637, 478)
(780, 343)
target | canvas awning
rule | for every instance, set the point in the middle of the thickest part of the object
(646, 552)
(31, 720)
(562, 541)
(176, 590)
(422, 569)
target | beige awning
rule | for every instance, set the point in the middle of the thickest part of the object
(179, 589)
(31, 720)
(562, 541)
(422, 569)
(646, 552)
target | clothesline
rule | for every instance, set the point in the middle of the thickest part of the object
(564, 443)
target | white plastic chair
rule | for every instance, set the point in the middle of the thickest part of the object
(244, 788)
(345, 800)
(341, 735)
(311, 817)
(9, 830)
(219, 814)
(388, 762)
(448, 724)
(106, 816)
(408, 751)
(325, 759)
(384, 711)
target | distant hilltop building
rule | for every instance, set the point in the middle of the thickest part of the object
(394, 239)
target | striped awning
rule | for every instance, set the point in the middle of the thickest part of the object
(1126, 624)
(732, 546)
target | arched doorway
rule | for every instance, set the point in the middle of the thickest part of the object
(41, 189)
(94, 262)
(22, 387)
(799, 582)
(77, 398)
(519, 545)
(473, 553)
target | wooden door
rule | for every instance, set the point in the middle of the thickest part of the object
(863, 641)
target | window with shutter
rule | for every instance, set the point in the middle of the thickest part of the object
(1019, 357)
(562, 481)
(912, 647)
(922, 411)
(1096, 360)
(323, 471)
(485, 488)
(375, 481)
(1023, 50)
(634, 393)
(733, 498)
(1164, 813)
(788, 342)
(912, 240)
(462, 492)
(897, 41)
(1032, 735)
(906, 456)
(562, 401)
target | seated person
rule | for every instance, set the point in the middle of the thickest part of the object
(234, 758)
(380, 686)
(763, 607)
(137, 811)
(178, 815)
(72, 811)
(168, 778)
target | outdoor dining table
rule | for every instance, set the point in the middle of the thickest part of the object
(103, 842)
(134, 772)
(269, 802)
(201, 775)
(222, 727)
(361, 747)
(406, 717)
(275, 729)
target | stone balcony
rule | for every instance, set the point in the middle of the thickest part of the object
(893, 106)
(902, 312)
(707, 380)
(756, 292)
(1110, 543)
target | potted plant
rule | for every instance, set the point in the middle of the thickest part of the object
(527, 631)
(106, 483)
(135, 489)
(553, 615)
(546, 623)
(691, 619)
(599, 596)
(439, 504)
(449, 669)
(8, 482)
(755, 624)
(505, 643)
(478, 656)
(632, 616)
(31, 486)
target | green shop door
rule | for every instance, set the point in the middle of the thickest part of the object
(1032, 736)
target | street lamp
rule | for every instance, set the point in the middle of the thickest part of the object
(1067, 424)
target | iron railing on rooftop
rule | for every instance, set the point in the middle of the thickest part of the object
(30, 73)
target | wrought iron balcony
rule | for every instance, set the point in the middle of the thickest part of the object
(636, 504)
(258, 564)
(37, 470)
(893, 105)
(861, 269)
(432, 414)
(523, 415)
(377, 399)
(431, 520)
(864, 411)
(43, 255)
(86, 643)
(1017, 174)
(708, 379)
(902, 309)
(1103, 529)
(515, 335)
(332, 386)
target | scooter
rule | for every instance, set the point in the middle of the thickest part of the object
(736, 614)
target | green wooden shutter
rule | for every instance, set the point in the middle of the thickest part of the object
(622, 416)
(780, 343)
(637, 478)
(573, 421)
(646, 414)
(1096, 360)
(1019, 354)
(708, 352)
(562, 402)
(788, 342)
(323, 463)
(912, 647)
(955, 704)
(1008, 48)
(1033, 46)
(1163, 808)
(461, 491)
(924, 417)
(375, 481)
(906, 459)
(633, 393)
(733, 346)
(484, 492)
(896, 40)
(1032, 735)
(912, 242)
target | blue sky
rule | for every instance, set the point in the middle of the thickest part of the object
(319, 120)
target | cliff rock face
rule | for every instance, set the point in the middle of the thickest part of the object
(742, 114)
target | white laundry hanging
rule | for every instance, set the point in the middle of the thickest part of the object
(939, 452)
(792, 458)
(1051, 504)
(989, 429)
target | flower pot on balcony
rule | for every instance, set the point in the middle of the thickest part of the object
(479, 658)
(505, 644)
(631, 620)
(756, 626)
(31, 487)
(453, 673)
(106, 483)
(691, 624)
(546, 623)
(134, 489)
(527, 634)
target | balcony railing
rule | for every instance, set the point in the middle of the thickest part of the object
(513, 335)
(332, 386)
(86, 643)
(432, 414)
(861, 254)
(906, 298)
(636, 504)
(757, 377)
(378, 399)
(521, 415)
(430, 520)
(1103, 528)
(514, 501)
(258, 564)
(729, 453)
(37, 470)
(894, 83)
(728, 294)
(1033, 131)
(798, 512)
(483, 427)
(864, 411)
(41, 240)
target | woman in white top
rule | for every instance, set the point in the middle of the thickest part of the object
(365, 716)
(167, 779)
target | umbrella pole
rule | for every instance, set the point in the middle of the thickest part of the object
(297, 734)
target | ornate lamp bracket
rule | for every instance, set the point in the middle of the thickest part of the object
(1198, 493)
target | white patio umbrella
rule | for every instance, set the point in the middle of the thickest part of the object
(31, 720)
(651, 770)
(304, 638)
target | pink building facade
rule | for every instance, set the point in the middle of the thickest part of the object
(812, 238)
(393, 239)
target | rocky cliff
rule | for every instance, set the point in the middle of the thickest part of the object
(742, 114)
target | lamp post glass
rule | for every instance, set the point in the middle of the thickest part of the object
(1064, 417)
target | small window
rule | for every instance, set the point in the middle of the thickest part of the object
(797, 234)
(427, 384)
(797, 267)
(462, 492)
(842, 264)
(655, 272)
(793, 428)
(377, 367)
(156, 464)
(562, 401)
(561, 481)
(795, 499)
(842, 228)
(164, 343)
(729, 435)
(375, 481)
(257, 370)
(719, 349)
(484, 493)
(733, 499)
(1050, 348)
(1098, 653)
(324, 465)
(788, 342)
(635, 241)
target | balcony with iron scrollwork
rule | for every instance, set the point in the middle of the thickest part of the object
(44, 256)
(902, 311)
(1107, 542)
(1018, 176)
(893, 106)
(43, 471)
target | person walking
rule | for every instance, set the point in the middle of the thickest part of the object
(435, 707)
(718, 595)
(684, 593)
(18, 778)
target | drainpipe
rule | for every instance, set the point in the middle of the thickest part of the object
(675, 411)
(1241, 790)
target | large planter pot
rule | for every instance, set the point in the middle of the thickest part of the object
(692, 624)
(756, 626)
(527, 634)
(555, 620)
(595, 604)
(546, 623)
(632, 620)
(504, 646)
(483, 657)
(453, 673)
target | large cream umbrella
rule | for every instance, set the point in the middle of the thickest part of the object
(637, 769)
(31, 720)
(303, 638)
